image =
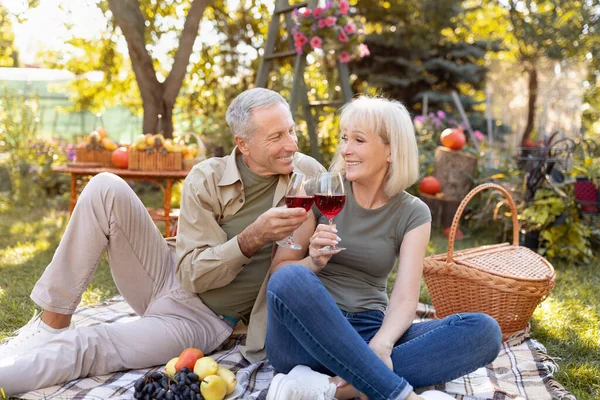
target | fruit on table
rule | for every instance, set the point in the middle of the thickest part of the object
(188, 358)
(430, 185)
(453, 138)
(229, 378)
(213, 387)
(206, 366)
(102, 132)
(120, 158)
(170, 367)
(108, 144)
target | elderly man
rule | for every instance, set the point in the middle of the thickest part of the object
(188, 294)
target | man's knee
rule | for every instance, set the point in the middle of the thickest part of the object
(104, 182)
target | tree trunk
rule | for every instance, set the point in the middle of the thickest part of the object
(533, 91)
(157, 98)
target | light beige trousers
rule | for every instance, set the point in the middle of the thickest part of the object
(110, 217)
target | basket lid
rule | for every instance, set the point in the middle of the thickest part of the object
(508, 261)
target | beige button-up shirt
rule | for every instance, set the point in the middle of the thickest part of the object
(206, 260)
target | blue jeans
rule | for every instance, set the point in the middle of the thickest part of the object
(305, 326)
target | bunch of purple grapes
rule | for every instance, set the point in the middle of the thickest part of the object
(184, 385)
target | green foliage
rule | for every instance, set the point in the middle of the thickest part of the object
(7, 39)
(29, 159)
(411, 55)
(563, 233)
(223, 69)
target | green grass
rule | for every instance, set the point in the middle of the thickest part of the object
(567, 323)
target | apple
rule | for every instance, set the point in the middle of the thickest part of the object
(188, 359)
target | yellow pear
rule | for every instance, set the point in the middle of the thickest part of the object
(213, 387)
(170, 367)
(205, 366)
(229, 378)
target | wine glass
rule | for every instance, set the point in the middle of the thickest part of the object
(330, 198)
(299, 194)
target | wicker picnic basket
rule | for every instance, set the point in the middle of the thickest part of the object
(504, 281)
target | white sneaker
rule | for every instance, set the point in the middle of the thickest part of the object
(436, 395)
(302, 383)
(33, 334)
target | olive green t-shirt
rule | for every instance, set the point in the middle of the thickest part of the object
(236, 299)
(357, 277)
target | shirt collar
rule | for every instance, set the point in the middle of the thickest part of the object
(231, 174)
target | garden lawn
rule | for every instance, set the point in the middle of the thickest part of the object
(568, 322)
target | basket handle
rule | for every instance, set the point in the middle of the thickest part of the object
(463, 205)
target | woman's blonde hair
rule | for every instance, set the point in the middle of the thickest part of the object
(390, 120)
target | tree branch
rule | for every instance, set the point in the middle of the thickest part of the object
(173, 83)
(129, 18)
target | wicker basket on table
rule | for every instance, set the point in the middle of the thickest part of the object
(504, 281)
(102, 156)
(154, 161)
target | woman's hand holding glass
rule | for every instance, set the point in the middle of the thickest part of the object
(325, 235)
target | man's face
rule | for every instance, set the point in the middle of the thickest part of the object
(270, 150)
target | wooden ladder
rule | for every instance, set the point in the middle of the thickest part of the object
(299, 93)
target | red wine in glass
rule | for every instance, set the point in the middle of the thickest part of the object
(305, 202)
(330, 205)
(330, 197)
(299, 194)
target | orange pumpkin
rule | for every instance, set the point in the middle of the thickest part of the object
(430, 185)
(453, 138)
(120, 158)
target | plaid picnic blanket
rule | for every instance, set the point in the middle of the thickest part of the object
(523, 370)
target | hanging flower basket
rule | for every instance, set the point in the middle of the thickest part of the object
(333, 27)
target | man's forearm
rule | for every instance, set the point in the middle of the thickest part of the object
(250, 240)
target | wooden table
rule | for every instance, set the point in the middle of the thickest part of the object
(151, 176)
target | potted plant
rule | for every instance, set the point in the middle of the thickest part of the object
(587, 182)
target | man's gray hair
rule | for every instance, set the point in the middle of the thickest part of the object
(239, 112)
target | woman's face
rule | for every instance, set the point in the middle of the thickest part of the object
(367, 157)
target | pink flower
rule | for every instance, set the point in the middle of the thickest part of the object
(330, 21)
(299, 49)
(306, 12)
(344, 57)
(322, 23)
(300, 39)
(363, 50)
(316, 42)
(342, 37)
(350, 28)
(441, 114)
(478, 135)
(318, 12)
(344, 7)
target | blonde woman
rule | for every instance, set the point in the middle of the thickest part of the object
(329, 312)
